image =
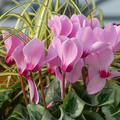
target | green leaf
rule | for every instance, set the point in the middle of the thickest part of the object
(37, 112)
(20, 112)
(53, 91)
(105, 97)
(83, 94)
(116, 87)
(48, 116)
(8, 73)
(72, 105)
(92, 116)
(111, 113)
(64, 116)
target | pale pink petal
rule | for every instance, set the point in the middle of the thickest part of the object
(75, 74)
(83, 20)
(23, 36)
(69, 54)
(86, 37)
(95, 23)
(55, 25)
(95, 84)
(79, 49)
(53, 64)
(66, 25)
(19, 59)
(57, 44)
(34, 95)
(74, 30)
(33, 52)
(59, 76)
(99, 32)
(51, 53)
(98, 46)
(110, 34)
(114, 74)
(11, 43)
(101, 59)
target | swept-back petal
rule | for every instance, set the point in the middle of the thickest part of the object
(33, 52)
(95, 84)
(55, 25)
(34, 95)
(66, 24)
(95, 23)
(75, 74)
(69, 54)
(86, 37)
(114, 74)
(101, 59)
(19, 59)
(53, 64)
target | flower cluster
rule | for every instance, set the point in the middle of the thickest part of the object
(77, 44)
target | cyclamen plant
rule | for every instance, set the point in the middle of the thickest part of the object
(78, 44)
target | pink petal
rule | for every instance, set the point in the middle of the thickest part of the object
(114, 74)
(69, 54)
(66, 25)
(59, 76)
(95, 84)
(75, 74)
(57, 44)
(19, 59)
(110, 34)
(99, 32)
(74, 30)
(53, 64)
(86, 37)
(51, 53)
(95, 23)
(23, 36)
(34, 95)
(101, 59)
(55, 25)
(33, 52)
(11, 43)
(98, 46)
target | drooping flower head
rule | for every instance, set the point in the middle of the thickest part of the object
(98, 72)
(11, 43)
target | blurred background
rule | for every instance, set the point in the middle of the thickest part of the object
(110, 8)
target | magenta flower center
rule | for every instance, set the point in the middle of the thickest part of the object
(67, 69)
(85, 54)
(104, 74)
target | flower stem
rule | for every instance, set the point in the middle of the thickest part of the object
(70, 87)
(84, 74)
(23, 89)
(63, 86)
(42, 90)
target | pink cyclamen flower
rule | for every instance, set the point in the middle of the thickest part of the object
(52, 60)
(87, 38)
(110, 35)
(34, 53)
(98, 71)
(11, 43)
(69, 52)
(60, 25)
(80, 21)
(30, 58)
